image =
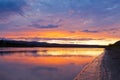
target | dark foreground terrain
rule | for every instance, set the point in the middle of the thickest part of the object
(110, 65)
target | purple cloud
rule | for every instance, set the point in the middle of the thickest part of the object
(90, 31)
(45, 26)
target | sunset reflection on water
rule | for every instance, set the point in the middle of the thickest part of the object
(44, 63)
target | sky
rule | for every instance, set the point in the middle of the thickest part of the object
(61, 21)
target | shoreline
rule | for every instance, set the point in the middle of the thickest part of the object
(90, 70)
(104, 67)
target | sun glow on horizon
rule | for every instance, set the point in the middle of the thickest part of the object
(89, 42)
(63, 37)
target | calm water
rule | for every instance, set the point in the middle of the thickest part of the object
(44, 63)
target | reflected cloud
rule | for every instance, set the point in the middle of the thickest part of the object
(3, 53)
(36, 53)
(48, 52)
(45, 68)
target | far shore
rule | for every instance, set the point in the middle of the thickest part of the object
(13, 43)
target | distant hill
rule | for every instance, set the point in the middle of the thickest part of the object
(13, 43)
(116, 45)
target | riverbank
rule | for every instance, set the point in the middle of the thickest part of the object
(111, 65)
(104, 67)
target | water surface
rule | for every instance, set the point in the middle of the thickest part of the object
(44, 63)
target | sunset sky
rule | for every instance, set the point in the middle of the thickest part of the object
(61, 21)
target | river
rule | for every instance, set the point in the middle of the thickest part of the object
(44, 63)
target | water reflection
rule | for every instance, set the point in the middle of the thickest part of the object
(44, 63)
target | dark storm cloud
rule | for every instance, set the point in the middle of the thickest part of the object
(11, 7)
(45, 26)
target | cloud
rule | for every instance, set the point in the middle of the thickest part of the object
(11, 7)
(45, 26)
(90, 31)
(73, 15)
(65, 39)
(100, 11)
(90, 7)
(112, 29)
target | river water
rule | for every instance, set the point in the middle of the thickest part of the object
(44, 63)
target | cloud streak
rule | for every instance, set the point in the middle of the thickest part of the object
(90, 31)
(44, 26)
